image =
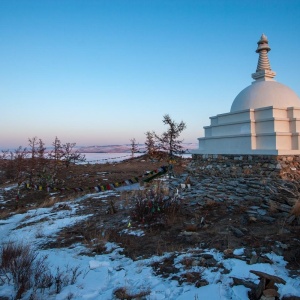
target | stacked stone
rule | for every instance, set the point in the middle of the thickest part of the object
(270, 166)
(266, 181)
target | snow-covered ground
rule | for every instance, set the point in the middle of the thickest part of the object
(101, 275)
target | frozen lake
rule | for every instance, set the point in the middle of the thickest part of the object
(107, 157)
(102, 158)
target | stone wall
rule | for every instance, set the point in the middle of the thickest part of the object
(270, 166)
(268, 181)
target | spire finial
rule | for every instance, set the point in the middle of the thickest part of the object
(263, 70)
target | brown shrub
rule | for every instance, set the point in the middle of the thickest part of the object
(21, 266)
(19, 262)
(154, 205)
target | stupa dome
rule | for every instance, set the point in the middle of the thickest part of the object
(263, 94)
(265, 91)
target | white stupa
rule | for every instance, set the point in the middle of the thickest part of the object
(264, 117)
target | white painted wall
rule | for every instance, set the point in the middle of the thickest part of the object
(262, 130)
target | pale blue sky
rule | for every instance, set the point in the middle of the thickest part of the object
(104, 72)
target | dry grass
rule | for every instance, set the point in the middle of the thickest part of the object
(39, 232)
(4, 215)
(48, 202)
(19, 262)
(62, 206)
(21, 210)
(126, 196)
(187, 262)
(296, 209)
(193, 278)
(242, 208)
(96, 240)
(123, 293)
(272, 207)
(210, 202)
(191, 227)
(247, 171)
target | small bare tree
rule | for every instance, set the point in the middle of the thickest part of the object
(57, 152)
(42, 167)
(33, 144)
(18, 158)
(4, 162)
(41, 150)
(151, 145)
(32, 161)
(42, 161)
(169, 139)
(4, 157)
(133, 147)
(4, 154)
(71, 155)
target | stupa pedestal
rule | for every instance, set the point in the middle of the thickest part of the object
(264, 131)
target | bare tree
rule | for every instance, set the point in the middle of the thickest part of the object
(4, 155)
(18, 160)
(42, 167)
(32, 164)
(71, 155)
(133, 147)
(41, 149)
(4, 162)
(57, 152)
(33, 144)
(32, 161)
(150, 143)
(169, 139)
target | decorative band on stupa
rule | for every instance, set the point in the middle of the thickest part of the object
(263, 70)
